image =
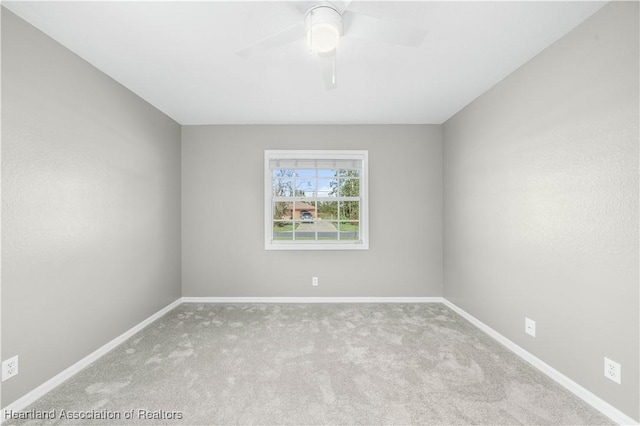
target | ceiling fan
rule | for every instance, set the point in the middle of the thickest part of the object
(325, 23)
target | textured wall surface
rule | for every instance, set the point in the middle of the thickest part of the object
(541, 205)
(91, 207)
(223, 214)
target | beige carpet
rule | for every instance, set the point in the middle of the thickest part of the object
(312, 364)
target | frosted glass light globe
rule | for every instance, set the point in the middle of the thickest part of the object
(323, 26)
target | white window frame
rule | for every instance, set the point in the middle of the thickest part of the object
(358, 155)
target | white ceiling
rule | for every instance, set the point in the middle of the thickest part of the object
(180, 56)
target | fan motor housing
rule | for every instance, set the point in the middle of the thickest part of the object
(324, 27)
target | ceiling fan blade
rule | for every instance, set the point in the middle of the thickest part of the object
(376, 29)
(286, 36)
(328, 66)
(341, 5)
(302, 6)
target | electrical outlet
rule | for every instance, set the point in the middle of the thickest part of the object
(530, 327)
(612, 370)
(10, 368)
(314, 281)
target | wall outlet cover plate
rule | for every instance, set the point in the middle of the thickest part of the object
(10, 368)
(612, 370)
(530, 327)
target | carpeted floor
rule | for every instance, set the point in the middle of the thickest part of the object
(313, 364)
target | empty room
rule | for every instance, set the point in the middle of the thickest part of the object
(309, 213)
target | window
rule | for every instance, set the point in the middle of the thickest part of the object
(316, 200)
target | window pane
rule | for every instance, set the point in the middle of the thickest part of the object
(326, 173)
(283, 173)
(305, 231)
(327, 187)
(305, 187)
(282, 210)
(304, 173)
(348, 173)
(324, 230)
(349, 187)
(349, 231)
(283, 187)
(349, 210)
(305, 211)
(327, 210)
(327, 230)
(283, 230)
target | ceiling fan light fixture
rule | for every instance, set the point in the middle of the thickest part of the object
(323, 25)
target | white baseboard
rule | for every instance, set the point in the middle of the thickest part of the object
(582, 393)
(312, 299)
(29, 398)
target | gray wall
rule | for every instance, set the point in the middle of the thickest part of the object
(541, 205)
(91, 207)
(223, 214)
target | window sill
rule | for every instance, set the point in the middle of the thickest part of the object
(314, 245)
